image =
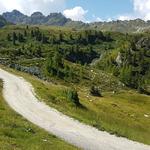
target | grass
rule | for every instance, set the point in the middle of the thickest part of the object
(16, 133)
(122, 113)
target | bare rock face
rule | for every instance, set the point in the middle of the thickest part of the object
(143, 43)
(14, 17)
(3, 21)
(37, 18)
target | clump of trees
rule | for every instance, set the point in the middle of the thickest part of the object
(82, 47)
(77, 54)
(39, 36)
(55, 65)
(16, 37)
(133, 67)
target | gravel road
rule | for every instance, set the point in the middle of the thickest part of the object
(20, 96)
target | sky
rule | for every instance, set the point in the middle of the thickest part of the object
(83, 10)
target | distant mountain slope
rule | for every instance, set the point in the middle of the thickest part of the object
(3, 22)
(37, 18)
(58, 19)
(136, 25)
(14, 16)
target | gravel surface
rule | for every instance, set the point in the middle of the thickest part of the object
(19, 94)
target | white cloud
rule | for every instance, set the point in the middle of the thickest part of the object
(141, 9)
(77, 13)
(98, 19)
(30, 6)
(109, 20)
(125, 17)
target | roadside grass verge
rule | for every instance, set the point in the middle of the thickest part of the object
(16, 133)
(125, 113)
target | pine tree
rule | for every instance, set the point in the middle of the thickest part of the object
(44, 39)
(27, 27)
(60, 37)
(71, 37)
(57, 60)
(8, 37)
(126, 75)
(14, 38)
(25, 33)
(39, 51)
(32, 33)
(20, 37)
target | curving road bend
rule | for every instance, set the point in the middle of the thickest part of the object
(20, 96)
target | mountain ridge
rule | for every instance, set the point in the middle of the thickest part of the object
(36, 18)
(58, 19)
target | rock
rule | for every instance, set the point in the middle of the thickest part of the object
(33, 70)
(119, 59)
(145, 115)
(44, 140)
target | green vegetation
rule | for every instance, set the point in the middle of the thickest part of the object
(125, 56)
(17, 133)
(72, 95)
(57, 54)
(93, 76)
(132, 63)
(122, 113)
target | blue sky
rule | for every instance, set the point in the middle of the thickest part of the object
(103, 9)
(83, 10)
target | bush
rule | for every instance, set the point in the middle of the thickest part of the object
(95, 91)
(143, 91)
(72, 95)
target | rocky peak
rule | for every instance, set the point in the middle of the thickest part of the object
(37, 14)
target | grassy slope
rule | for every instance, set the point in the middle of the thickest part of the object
(121, 113)
(18, 134)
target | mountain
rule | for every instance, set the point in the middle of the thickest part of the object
(3, 21)
(136, 25)
(37, 18)
(15, 17)
(58, 19)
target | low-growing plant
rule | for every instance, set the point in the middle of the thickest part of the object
(72, 95)
(94, 91)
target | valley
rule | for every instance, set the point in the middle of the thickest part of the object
(77, 78)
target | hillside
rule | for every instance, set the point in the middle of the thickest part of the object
(99, 78)
(74, 55)
(136, 25)
(58, 19)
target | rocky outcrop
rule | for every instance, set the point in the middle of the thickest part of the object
(119, 59)
(33, 70)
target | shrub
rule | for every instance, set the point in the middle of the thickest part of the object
(95, 91)
(72, 95)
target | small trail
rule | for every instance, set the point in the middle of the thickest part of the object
(19, 95)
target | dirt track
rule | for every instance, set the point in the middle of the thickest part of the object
(20, 96)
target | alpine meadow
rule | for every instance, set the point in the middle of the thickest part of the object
(75, 80)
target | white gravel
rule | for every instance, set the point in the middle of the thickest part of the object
(20, 96)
